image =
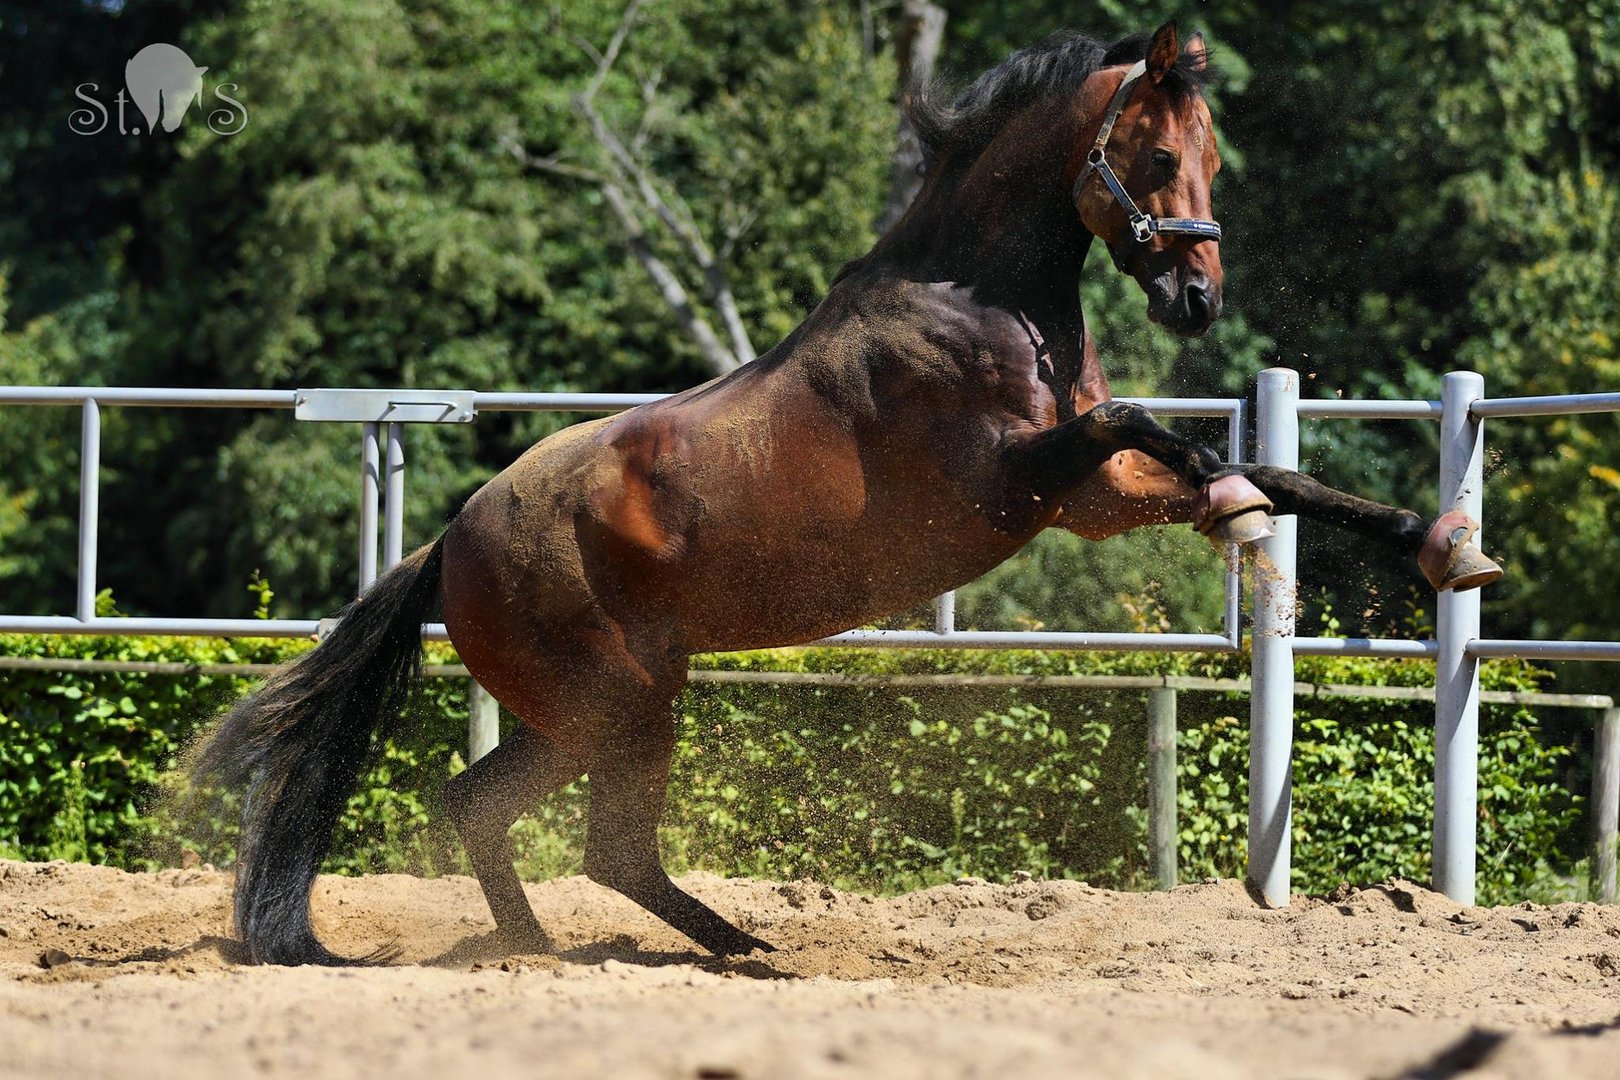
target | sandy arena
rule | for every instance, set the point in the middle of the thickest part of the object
(109, 974)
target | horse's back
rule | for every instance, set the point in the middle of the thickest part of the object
(773, 505)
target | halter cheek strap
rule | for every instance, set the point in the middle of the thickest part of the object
(1143, 226)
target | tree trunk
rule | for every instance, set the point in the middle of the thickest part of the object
(917, 42)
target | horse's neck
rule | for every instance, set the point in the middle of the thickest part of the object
(1003, 225)
(1016, 242)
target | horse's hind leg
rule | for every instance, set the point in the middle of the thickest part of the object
(629, 781)
(484, 801)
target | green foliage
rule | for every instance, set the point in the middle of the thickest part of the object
(1407, 189)
(1364, 800)
(368, 228)
(860, 785)
(886, 791)
(79, 751)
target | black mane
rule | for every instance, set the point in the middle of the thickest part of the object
(1059, 63)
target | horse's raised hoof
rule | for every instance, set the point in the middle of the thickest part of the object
(1451, 560)
(1231, 510)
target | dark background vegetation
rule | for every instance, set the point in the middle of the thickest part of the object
(1408, 189)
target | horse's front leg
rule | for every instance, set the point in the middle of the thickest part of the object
(1127, 491)
(1233, 497)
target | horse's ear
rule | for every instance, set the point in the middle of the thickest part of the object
(1163, 51)
(1197, 53)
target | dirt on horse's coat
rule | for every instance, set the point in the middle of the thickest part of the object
(939, 408)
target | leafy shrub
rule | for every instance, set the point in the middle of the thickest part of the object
(78, 751)
(1364, 801)
(861, 785)
(90, 762)
(887, 791)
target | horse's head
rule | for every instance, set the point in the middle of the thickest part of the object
(1143, 174)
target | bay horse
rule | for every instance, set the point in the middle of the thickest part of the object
(941, 406)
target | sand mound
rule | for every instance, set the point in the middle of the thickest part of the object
(105, 973)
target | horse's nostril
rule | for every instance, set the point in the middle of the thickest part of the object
(1203, 305)
(1199, 308)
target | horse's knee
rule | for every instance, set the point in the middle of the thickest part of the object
(1120, 416)
(1411, 527)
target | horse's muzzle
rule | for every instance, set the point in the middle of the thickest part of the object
(1196, 307)
(1189, 310)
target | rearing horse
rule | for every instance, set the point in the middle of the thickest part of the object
(939, 408)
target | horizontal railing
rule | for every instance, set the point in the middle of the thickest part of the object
(1456, 649)
(383, 454)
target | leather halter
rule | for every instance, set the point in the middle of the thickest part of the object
(1143, 226)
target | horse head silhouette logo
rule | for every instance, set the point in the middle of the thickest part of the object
(164, 82)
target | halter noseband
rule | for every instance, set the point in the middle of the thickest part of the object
(1143, 226)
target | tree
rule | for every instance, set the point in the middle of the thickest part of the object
(1406, 190)
(369, 228)
(917, 40)
(622, 170)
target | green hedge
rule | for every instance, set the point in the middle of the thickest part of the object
(866, 786)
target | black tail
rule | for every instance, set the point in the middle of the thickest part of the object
(295, 749)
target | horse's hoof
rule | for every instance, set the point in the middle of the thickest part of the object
(1244, 528)
(1231, 510)
(738, 943)
(1451, 560)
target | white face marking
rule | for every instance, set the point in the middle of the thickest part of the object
(1198, 135)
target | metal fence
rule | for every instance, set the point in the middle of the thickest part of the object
(1456, 649)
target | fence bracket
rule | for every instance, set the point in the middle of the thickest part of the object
(386, 406)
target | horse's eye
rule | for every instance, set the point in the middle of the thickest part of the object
(1164, 162)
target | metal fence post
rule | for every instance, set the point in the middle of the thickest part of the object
(1606, 805)
(394, 505)
(483, 721)
(1237, 433)
(89, 506)
(1456, 674)
(370, 467)
(1271, 702)
(1162, 783)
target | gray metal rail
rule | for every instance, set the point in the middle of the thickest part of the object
(1456, 649)
(383, 416)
